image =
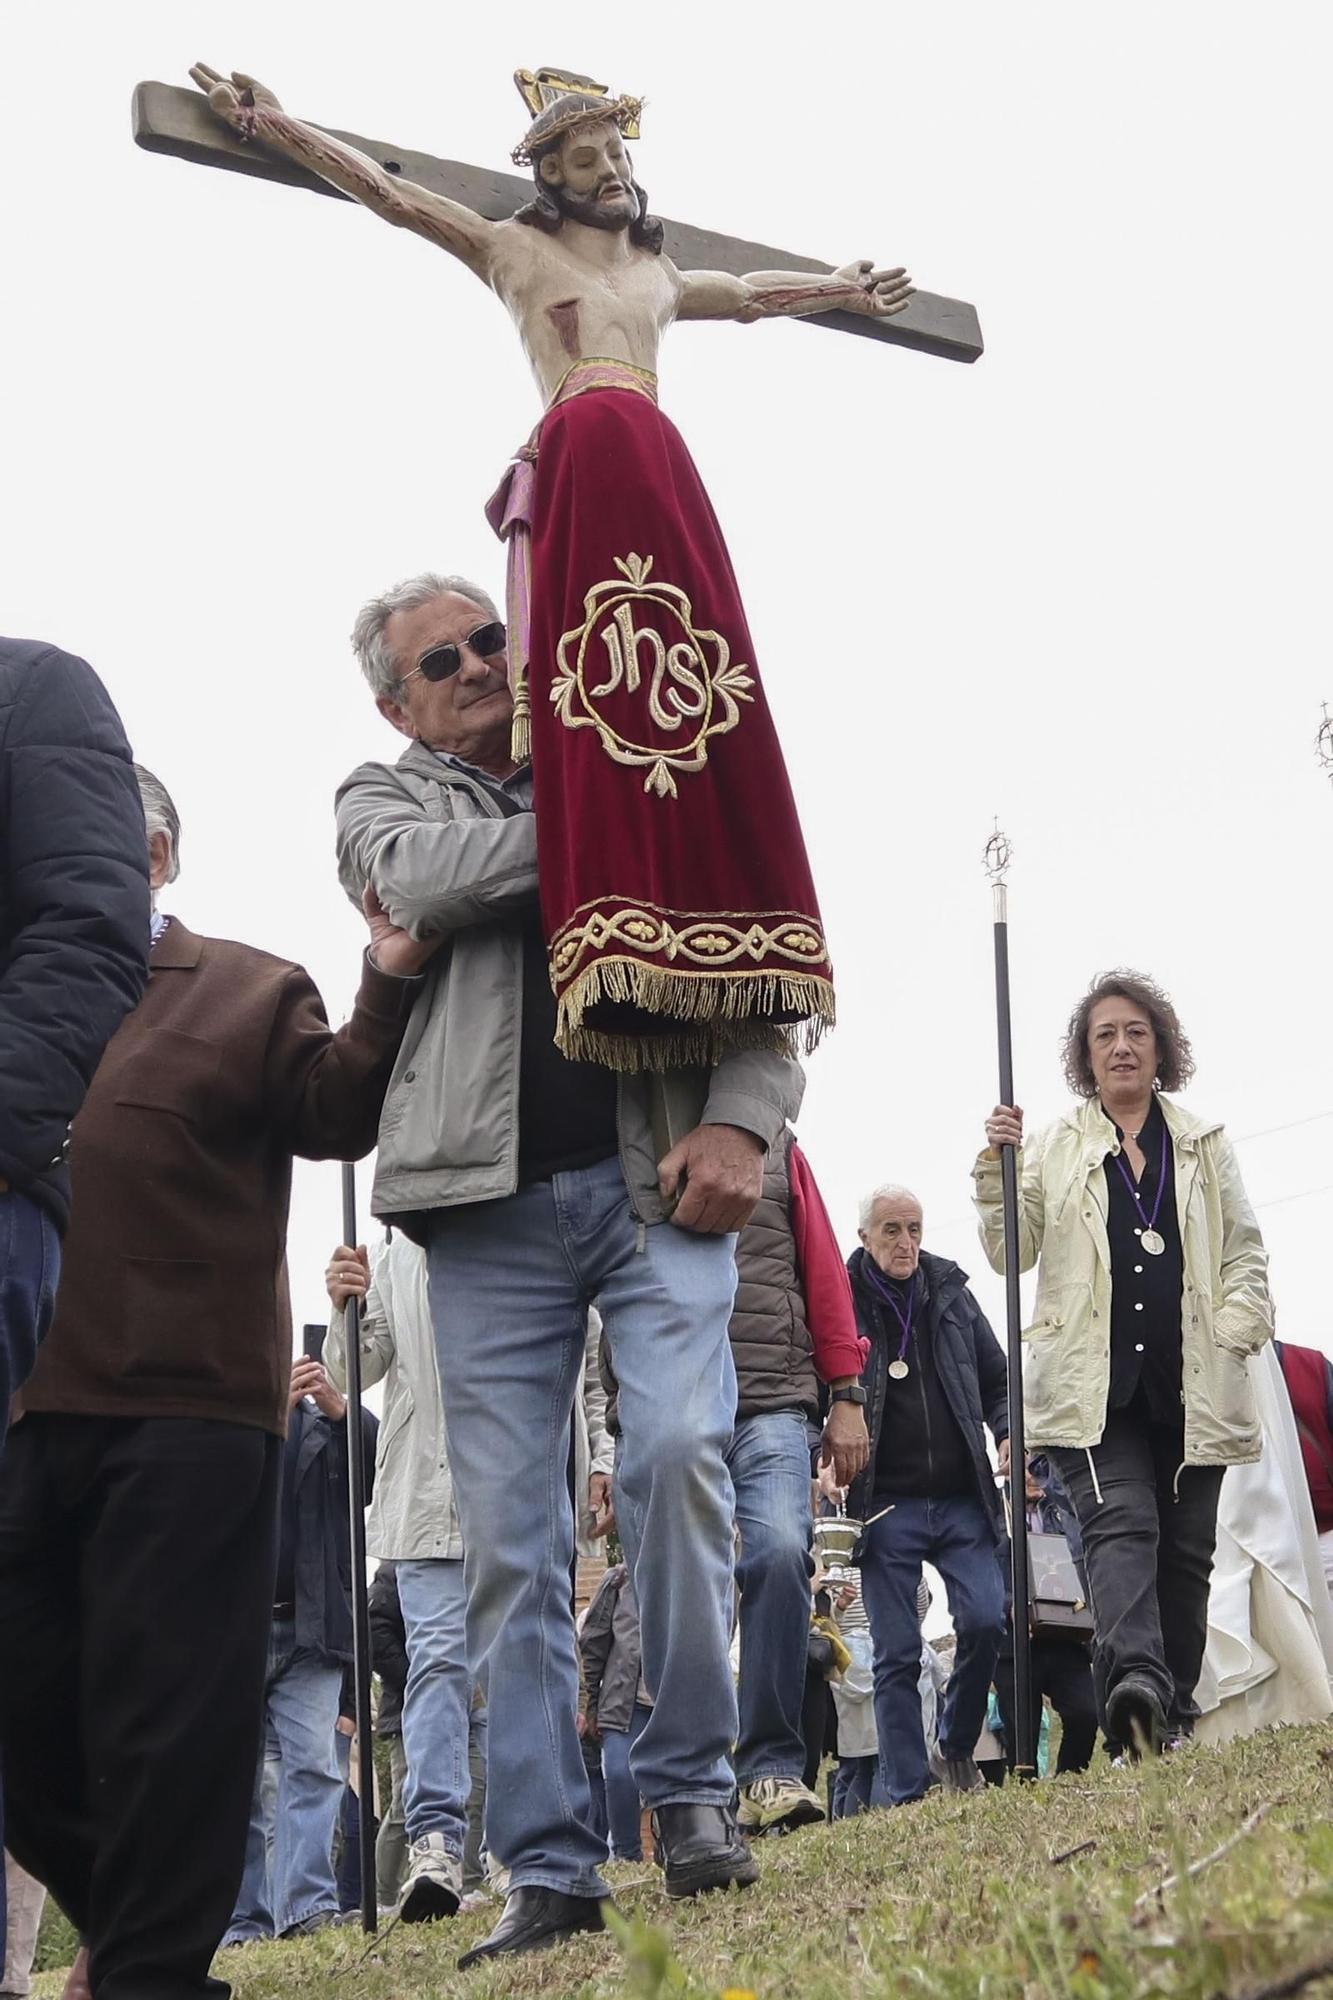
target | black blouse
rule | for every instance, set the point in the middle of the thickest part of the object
(1145, 1290)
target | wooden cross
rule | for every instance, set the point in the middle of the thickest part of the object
(170, 120)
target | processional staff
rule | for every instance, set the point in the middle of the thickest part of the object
(356, 1482)
(999, 853)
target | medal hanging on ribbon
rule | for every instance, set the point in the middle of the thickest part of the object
(898, 1367)
(1149, 1237)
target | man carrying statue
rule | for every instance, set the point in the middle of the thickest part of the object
(594, 816)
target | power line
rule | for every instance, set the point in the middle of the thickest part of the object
(1303, 1194)
(1290, 1126)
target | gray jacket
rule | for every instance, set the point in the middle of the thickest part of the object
(446, 862)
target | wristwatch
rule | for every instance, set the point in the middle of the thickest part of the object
(853, 1393)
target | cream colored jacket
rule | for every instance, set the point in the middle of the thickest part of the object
(1226, 1313)
(413, 1516)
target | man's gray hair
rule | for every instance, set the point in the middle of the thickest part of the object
(160, 815)
(369, 644)
(890, 1191)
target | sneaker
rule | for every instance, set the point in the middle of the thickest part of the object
(961, 1775)
(434, 1884)
(777, 1805)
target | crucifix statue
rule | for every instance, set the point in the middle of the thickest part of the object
(680, 917)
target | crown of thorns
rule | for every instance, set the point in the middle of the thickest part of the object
(562, 101)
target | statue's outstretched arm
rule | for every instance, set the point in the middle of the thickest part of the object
(254, 112)
(857, 287)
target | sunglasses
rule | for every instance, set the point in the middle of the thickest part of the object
(442, 662)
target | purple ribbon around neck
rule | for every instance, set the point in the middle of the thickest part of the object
(890, 1297)
(1149, 1221)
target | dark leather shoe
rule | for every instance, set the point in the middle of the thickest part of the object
(1135, 1716)
(700, 1848)
(534, 1918)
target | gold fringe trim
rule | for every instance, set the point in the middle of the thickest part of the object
(718, 1013)
(520, 733)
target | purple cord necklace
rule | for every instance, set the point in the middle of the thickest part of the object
(1148, 1236)
(898, 1367)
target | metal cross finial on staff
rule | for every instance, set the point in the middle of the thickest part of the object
(1323, 744)
(999, 853)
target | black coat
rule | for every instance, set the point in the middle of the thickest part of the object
(74, 908)
(388, 1648)
(323, 1554)
(970, 1364)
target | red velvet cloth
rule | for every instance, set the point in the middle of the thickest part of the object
(675, 891)
(830, 1312)
(1307, 1375)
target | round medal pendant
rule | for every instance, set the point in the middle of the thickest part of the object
(899, 1370)
(1152, 1242)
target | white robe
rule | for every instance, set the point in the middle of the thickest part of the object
(1270, 1622)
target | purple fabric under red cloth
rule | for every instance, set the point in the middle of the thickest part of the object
(676, 896)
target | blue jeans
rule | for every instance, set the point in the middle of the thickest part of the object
(510, 1286)
(624, 1809)
(29, 1270)
(769, 1461)
(956, 1535)
(436, 1701)
(857, 1786)
(298, 1793)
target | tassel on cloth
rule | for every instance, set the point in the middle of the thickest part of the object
(520, 736)
(699, 1017)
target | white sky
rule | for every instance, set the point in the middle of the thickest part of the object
(1081, 585)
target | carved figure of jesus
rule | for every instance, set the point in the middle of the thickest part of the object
(680, 918)
(580, 269)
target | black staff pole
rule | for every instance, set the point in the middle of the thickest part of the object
(356, 1483)
(998, 856)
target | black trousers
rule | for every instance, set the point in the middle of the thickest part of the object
(136, 1585)
(1061, 1670)
(1148, 1549)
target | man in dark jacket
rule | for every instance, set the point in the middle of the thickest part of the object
(936, 1373)
(793, 1335)
(73, 955)
(138, 1506)
(73, 961)
(388, 1651)
(288, 1888)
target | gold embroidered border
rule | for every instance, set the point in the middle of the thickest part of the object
(683, 941)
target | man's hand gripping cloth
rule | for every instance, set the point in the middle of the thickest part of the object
(676, 896)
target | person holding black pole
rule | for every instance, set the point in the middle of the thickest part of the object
(1152, 1294)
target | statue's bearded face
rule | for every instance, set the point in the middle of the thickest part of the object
(588, 175)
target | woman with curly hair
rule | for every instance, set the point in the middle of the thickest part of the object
(1152, 1293)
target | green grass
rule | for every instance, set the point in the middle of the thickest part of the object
(952, 1899)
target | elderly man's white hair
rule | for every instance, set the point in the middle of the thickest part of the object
(160, 814)
(369, 644)
(889, 1192)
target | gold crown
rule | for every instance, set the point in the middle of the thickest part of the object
(543, 89)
